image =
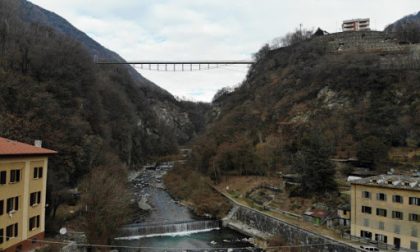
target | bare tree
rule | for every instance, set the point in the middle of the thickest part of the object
(408, 32)
(292, 38)
(106, 200)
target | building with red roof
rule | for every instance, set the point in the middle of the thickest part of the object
(23, 186)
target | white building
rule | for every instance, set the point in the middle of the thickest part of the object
(360, 24)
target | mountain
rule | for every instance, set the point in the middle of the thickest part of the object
(409, 19)
(358, 91)
(35, 14)
(406, 29)
(50, 89)
(183, 122)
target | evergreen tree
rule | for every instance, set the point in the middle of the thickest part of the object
(372, 151)
(312, 162)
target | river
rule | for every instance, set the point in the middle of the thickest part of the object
(201, 235)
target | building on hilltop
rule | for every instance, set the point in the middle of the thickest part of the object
(23, 183)
(360, 24)
(386, 209)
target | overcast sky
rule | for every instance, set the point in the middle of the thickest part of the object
(210, 30)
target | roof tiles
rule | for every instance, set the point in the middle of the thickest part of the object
(13, 148)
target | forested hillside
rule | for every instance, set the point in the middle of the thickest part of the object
(407, 29)
(326, 97)
(50, 89)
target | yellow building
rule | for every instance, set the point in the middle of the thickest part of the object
(386, 209)
(23, 182)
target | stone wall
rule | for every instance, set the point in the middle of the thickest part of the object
(392, 55)
(291, 233)
(369, 41)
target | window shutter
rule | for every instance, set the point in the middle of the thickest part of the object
(16, 203)
(9, 204)
(32, 199)
(12, 176)
(3, 177)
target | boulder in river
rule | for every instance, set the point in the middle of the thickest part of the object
(143, 205)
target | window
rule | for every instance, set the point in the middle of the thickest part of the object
(381, 238)
(366, 194)
(397, 198)
(366, 222)
(381, 225)
(397, 229)
(366, 209)
(414, 232)
(1, 235)
(38, 172)
(1, 207)
(14, 176)
(3, 175)
(381, 212)
(414, 201)
(365, 234)
(413, 245)
(397, 215)
(34, 222)
(12, 204)
(35, 198)
(381, 196)
(11, 231)
(414, 217)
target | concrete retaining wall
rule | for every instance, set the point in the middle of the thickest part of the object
(292, 234)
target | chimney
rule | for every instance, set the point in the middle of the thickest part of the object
(38, 143)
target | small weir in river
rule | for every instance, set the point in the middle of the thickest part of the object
(135, 231)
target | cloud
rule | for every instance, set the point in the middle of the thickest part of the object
(210, 29)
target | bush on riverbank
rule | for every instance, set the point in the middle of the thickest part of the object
(194, 189)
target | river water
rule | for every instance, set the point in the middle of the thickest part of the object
(164, 209)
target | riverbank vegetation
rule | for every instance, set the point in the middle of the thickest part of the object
(195, 190)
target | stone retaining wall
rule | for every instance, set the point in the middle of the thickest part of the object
(291, 233)
(369, 41)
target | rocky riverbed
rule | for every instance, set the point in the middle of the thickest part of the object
(156, 206)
